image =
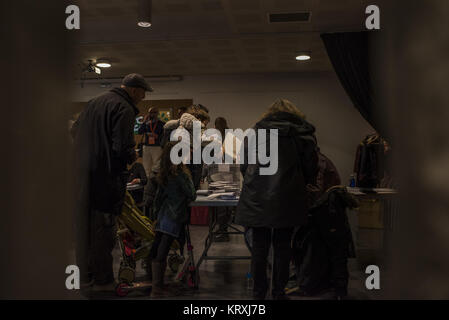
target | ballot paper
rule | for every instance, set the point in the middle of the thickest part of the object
(202, 192)
(229, 197)
(218, 195)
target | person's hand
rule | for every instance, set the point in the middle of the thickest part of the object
(135, 181)
(312, 188)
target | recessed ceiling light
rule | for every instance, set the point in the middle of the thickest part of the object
(303, 57)
(103, 64)
(144, 24)
(144, 13)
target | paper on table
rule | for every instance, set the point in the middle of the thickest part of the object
(216, 195)
(202, 192)
(219, 190)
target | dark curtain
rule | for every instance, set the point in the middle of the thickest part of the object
(349, 55)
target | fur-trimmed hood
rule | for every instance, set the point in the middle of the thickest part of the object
(186, 121)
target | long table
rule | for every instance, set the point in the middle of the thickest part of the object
(202, 201)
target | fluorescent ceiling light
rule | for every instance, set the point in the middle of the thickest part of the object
(103, 64)
(303, 57)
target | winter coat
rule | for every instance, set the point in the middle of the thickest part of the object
(370, 161)
(279, 200)
(327, 177)
(329, 216)
(171, 203)
(104, 145)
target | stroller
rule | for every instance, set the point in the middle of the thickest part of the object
(135, 235)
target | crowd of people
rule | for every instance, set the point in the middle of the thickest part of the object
(272, 205)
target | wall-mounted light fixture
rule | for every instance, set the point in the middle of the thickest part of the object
(144, 15)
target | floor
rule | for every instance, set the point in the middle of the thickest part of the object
(226, 280)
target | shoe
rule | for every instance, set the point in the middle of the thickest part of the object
(259, 295)
(340, 296)
(88, 284)
(174, 288)
(159, 290)
(340, 293)
(281, 296)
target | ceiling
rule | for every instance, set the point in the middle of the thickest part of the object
(191, 37)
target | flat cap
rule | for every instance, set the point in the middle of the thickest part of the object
(135, 80)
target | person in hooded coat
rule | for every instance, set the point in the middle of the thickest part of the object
(272, 205)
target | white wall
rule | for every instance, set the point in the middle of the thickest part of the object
(242, 99)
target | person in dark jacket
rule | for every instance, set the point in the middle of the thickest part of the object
(175, 191)
(272, 205)
(103, 145)
(152, 128)
(327, 177)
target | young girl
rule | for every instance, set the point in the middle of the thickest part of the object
(175, 191)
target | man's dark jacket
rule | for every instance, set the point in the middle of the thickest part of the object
(104, 145)
(279, 200)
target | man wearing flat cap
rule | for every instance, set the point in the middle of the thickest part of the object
(104, 145)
